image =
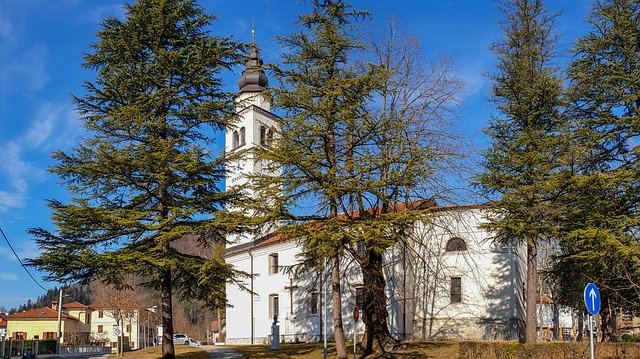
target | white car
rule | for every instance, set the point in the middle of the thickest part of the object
(180, 338)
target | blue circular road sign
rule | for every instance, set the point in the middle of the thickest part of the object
(592, 298)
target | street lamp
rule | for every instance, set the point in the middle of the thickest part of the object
(148, 329)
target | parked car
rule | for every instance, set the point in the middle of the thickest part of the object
(194, 342)
(180, 338)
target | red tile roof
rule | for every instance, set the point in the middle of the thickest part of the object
(75, 305)
(3, 323)
(428, 204)
(39, 313)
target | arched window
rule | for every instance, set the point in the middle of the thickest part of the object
(273, 263)
(236, 140)
(266, 136)
(274, 305)
(313, 301)
(242, 136)
(456, 244)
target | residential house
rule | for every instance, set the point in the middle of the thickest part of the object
(547, 311)
(42, 323)
(137, 325)
(3, 325)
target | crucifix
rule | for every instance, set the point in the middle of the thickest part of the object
(290, 288)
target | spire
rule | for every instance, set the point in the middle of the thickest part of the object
(253, 32)
(253, 78)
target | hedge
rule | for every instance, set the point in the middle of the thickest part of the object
(547, 350)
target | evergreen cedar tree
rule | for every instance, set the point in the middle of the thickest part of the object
(601, 222)
(522, 164)
(144, 179)
(340, 148)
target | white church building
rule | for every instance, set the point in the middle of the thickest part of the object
(448, 280)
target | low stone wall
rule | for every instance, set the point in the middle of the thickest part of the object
(246, 341)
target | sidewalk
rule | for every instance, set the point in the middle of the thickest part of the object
(220, 352)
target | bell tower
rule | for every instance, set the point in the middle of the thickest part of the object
(255, 126)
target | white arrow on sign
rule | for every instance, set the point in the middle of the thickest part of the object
(593, 296)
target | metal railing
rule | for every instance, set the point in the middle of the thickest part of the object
(32, 349)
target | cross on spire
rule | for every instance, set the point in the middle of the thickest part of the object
(290, 288)
(253, 31)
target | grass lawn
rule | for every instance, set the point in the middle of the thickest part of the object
(182, 352)
(435, 350)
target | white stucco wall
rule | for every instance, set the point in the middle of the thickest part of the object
(417, 287)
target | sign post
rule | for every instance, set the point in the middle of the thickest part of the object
(356, 315)
(592, 302)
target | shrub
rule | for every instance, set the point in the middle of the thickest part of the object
(546, 350)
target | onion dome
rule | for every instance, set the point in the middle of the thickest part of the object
(253, 78)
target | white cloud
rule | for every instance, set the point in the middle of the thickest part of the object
(16, 172)
(41, 128)
(11, 201)
(28, 249)
(8, 276)
(54, 126)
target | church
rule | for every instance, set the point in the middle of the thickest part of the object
(447, 281)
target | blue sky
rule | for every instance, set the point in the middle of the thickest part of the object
(41, 47)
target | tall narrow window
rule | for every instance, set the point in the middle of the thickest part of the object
(360, 298)
(313, 302)
(243, 133)
(273, 263)
(274, 305)
(263, 135)
(456, 289)
(100, 329)
(269, 141)
(100, 314)
(236, 140)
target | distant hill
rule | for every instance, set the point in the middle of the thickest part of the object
(72, 293)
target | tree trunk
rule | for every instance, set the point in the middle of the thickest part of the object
(614, 325)
(374, 313)
(168, 351)
(606, 327)
(580, 326)
(336, 302)
(530, 325)
(556, 318)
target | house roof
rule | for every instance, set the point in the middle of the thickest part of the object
(40, 313)
(428, 205)
(116, 306)
(75, 305)
(543, 298)
(3, 323)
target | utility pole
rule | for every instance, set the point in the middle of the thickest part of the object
(59, 322)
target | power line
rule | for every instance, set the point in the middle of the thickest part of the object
(19, 260)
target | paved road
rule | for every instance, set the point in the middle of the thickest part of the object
(221, 352)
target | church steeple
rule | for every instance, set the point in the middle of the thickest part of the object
(253, 78)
